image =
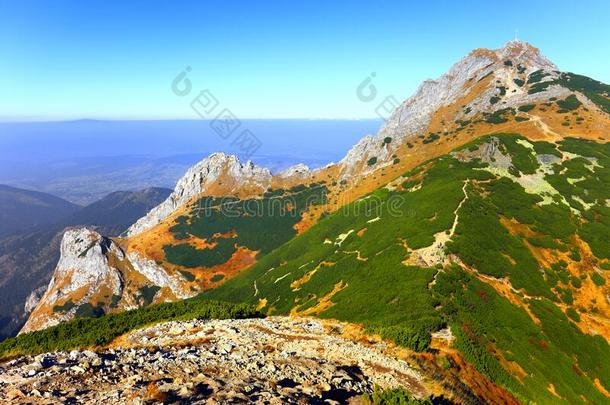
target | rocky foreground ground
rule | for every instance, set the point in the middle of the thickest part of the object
(276, 360)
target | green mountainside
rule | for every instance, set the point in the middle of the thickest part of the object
(426, 251)
(258, 224)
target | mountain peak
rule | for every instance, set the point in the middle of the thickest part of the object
(83, 265)
(521, 52)
(217, 174)
(516, 52)
(519, 44)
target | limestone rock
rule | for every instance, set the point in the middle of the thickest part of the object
(83, 265)
(201, 178)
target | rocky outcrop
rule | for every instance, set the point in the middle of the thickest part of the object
(83, 270)
(158, 276)
(95, 274)
(219, 174)
(27, 261)
(300, 171)
(34, 298)
(414, 114)
(273, 360)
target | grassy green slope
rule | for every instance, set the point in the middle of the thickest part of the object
(350, 265)
(231, 222)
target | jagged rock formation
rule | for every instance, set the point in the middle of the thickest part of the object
(300, 170)
(83, 267)
(415, 113)
(218, 174)
(27, 262)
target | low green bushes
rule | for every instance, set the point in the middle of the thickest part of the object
(431, 138)
(570, 103)
(393, 396)
(597, 279)
(277, 213)
(526, 108)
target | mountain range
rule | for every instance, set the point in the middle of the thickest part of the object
(471, 232)
(24, 209)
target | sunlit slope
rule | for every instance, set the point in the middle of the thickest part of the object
(503, 240)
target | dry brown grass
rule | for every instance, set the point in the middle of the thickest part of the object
(323, 304)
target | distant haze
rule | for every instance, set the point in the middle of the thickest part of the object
(84, 160)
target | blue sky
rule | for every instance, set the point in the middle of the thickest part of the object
(113, 60)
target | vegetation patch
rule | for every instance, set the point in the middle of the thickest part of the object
(187, 275)
(570, 103)
(147, 294)
(596, 91)
(431, 138)
(229, 223)
(537, 76)
(114, 301)
(499, 116)
(526, 107)
(597, 279)
(87, 310)
(68, 305)
(393, 396)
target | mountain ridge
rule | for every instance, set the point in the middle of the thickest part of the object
(502, 90)
(22, 210)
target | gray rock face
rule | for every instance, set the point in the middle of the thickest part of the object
(83, 264)
(300, 170)
(34, 298)
(158, 276)
(413, 116)
(198, 179)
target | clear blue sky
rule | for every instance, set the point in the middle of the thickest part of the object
(110, 59)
